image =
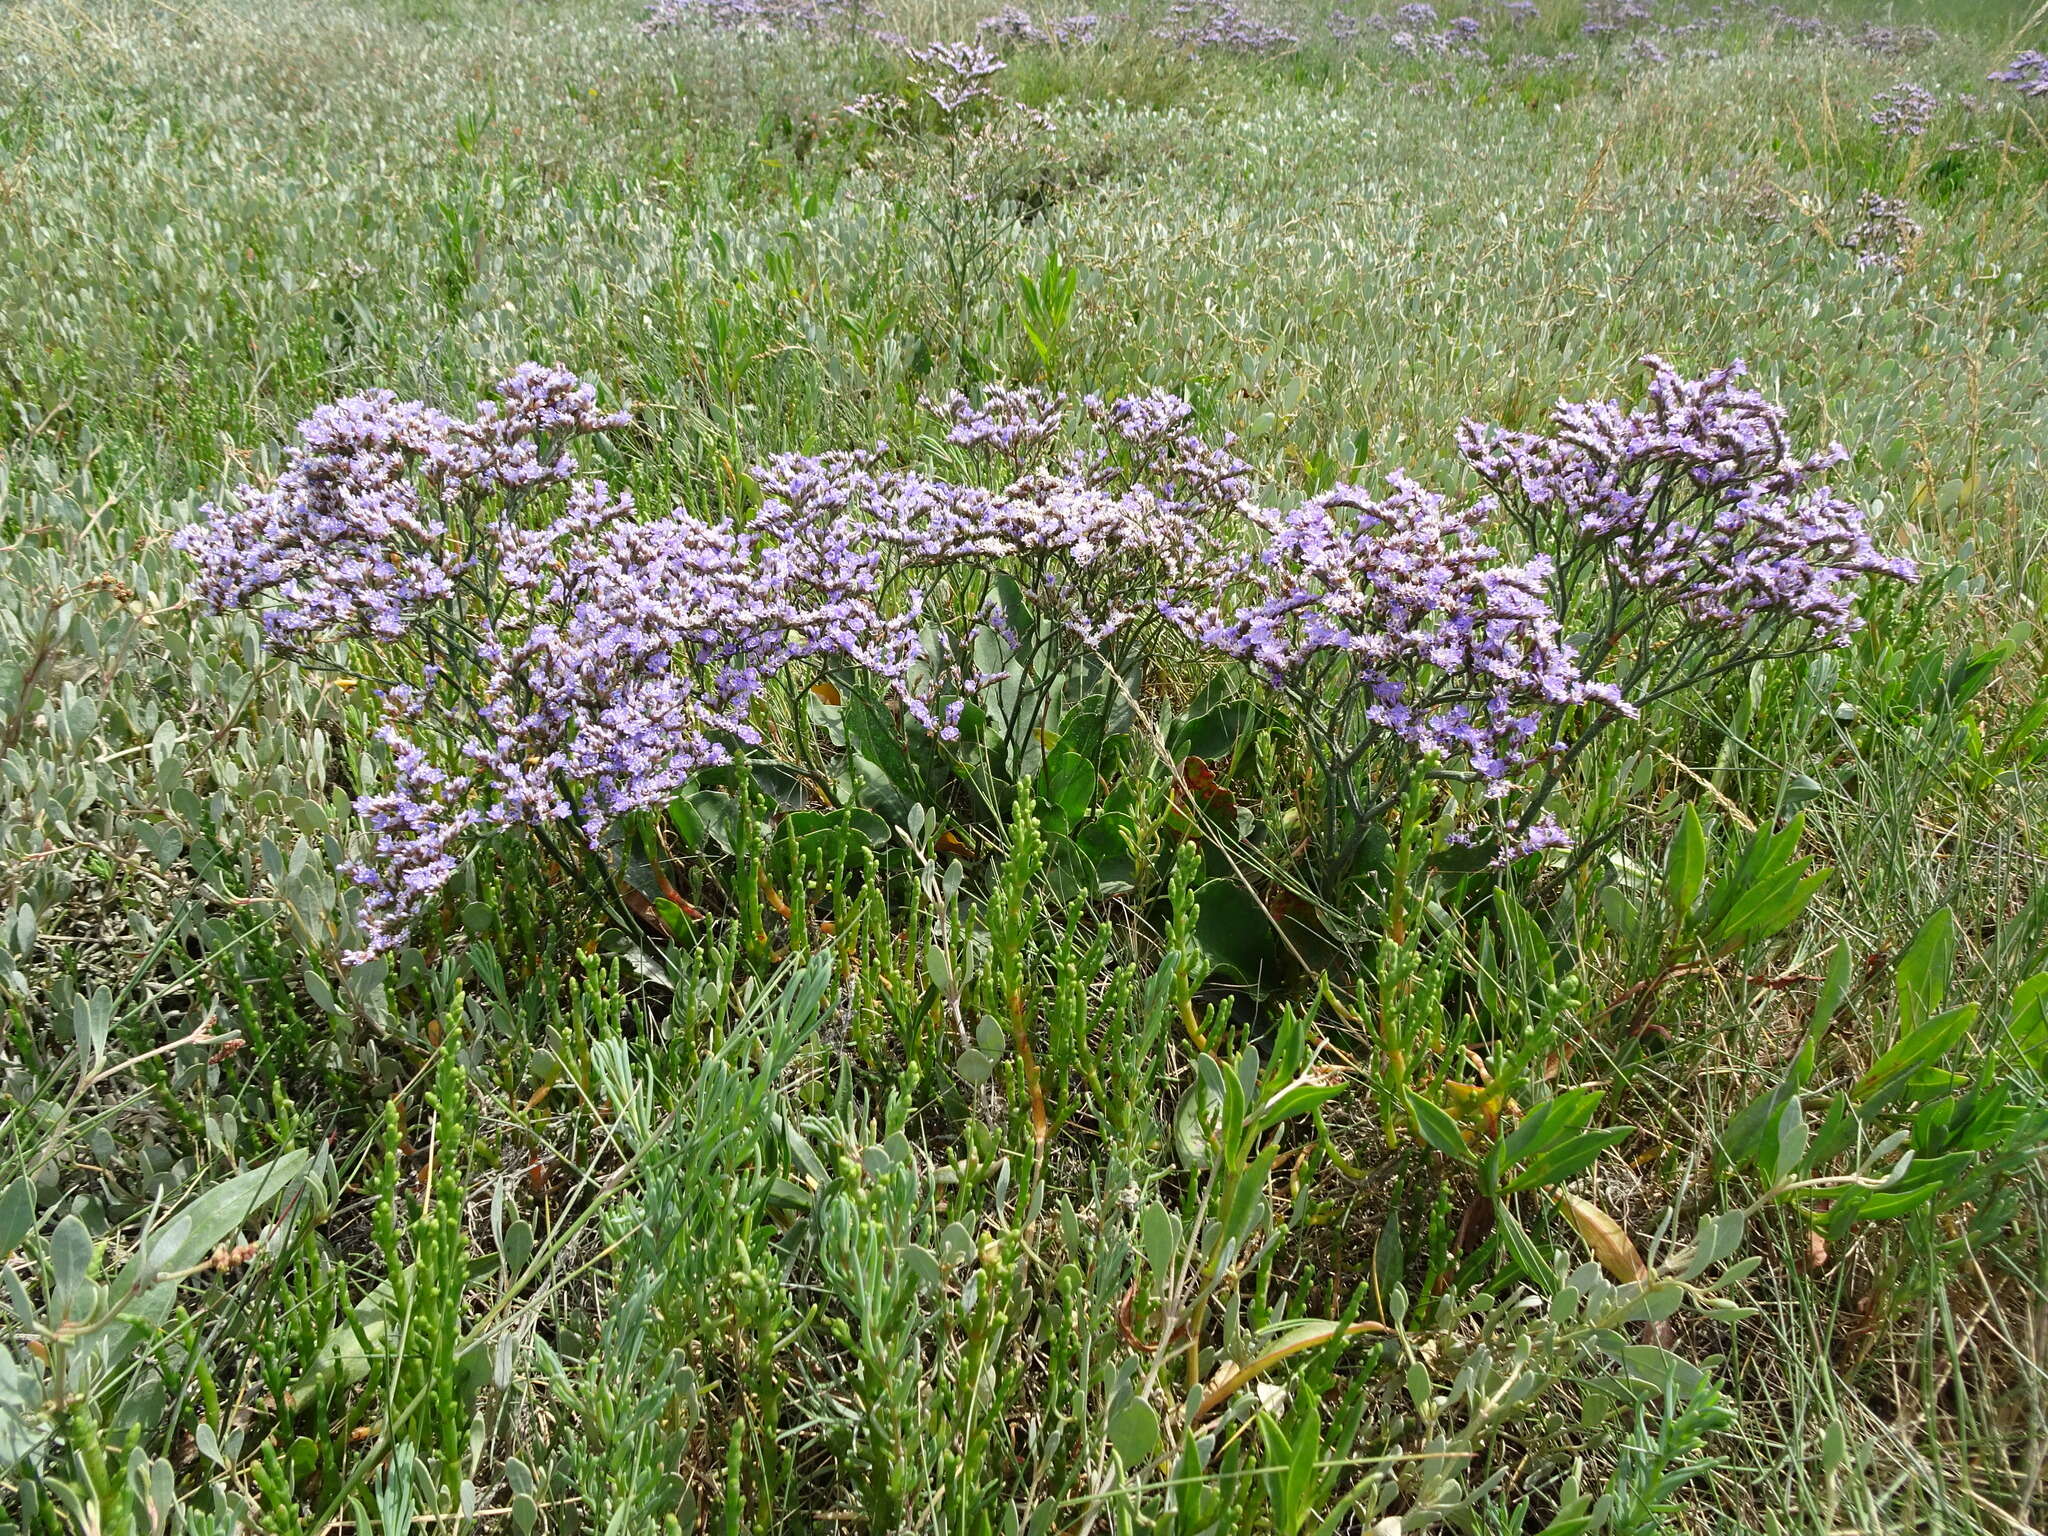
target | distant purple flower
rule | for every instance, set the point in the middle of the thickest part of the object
(1894, 42)
(1011, 25)
(1811, 28)
(1014, 25)
(1222, 25)
(2027, 74)
(1885, 235)
(761, 16)
(956, 74)
(1904, 111)
(1605, 16)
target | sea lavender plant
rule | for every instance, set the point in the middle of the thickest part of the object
(1011, 24)
(993, 150)
(1893, 42)
(1904, 112)
(1604, 17)
(549, 661)
(1395, 631)
(1221, 25)
(2027, 73)
(546, 659)
(1885, 236)
(1687, 538)
(1075, 537)
(1017, 26)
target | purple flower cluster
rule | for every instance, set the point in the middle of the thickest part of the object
(1205, 25)
(1884, 237)
(761, 16)
(2027, 74)
(1608, 16)
(956, 75)
(548, 657)
(1099, 537)
(952, 77)
(1883, 42)
(1012, 24)
(1893, 42)
(1690, 506)
(352, 542)
(1904, 112)
(553, 667)
(1396, 621)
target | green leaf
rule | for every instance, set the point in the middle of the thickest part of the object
(1134, 1431)
(1196, 1122)
(70, 1261)
(1235, 931)
(1527, 948)
(1786, 1151)
(1437, 1128)
(1297, 1098)
(17, 1214)
(193, 1233)
(1550, 1123)
(1924, 969)
(1554, 1165)
(1834, 991)
(1685, 863)
(873, 732)
(1535, 1267)
(1658, 1369)
(2026, 1033)
(1159, 1233)
(1918, 1050)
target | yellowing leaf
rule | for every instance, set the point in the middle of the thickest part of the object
(1604, 1238)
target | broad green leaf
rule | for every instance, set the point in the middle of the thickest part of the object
(2026, 1034)
(17, 1214)
(1297, 1098)
(1567, 1160)
(1134, 1431)
(1685, 863)
(1924, 970)
(1438, 1129)
(1918, 1050)
(1786, 1148)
